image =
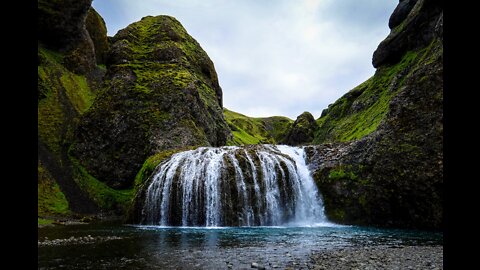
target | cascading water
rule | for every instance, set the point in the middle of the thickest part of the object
(261, 185)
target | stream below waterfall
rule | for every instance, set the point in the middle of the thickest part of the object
(114, 246)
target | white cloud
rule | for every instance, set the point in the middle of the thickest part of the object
(275, 57)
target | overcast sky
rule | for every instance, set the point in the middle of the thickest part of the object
(274, 57)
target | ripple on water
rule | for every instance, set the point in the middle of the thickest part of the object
(154, 247)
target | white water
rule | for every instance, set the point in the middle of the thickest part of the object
(234, 186)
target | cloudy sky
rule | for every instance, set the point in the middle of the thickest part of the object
(274, 57)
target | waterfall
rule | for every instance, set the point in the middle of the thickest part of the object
(262, 185)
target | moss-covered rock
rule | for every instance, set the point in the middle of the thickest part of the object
(51, 200)
(389, 172)
(97, 31)
(161, 93)
(61, 27)
(302, 131)
(68, 81)
(414, 24)
(250, 130)
(62, 97)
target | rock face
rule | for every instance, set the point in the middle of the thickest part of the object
(61, 26)
(389, 172)
(414, 25)
(98, 33)
(302, 131)
(161, 93)
(64, 46)
(401, 12)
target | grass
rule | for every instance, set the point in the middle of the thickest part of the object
(78, 91)
(43, 221)
(51, 200)
(341, 173)
(360, 111)
(58, 88)
(103, 195)
(249, 130)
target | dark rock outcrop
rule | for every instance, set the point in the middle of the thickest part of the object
(61, 26)
(401, 12)
(161, 93)
(98, 33)
(413, 31)
(302, 131)
(68, 81)
(393, 175)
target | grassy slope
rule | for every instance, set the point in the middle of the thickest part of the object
(63, 96)
(51, 201)
(250, 130)
(360, 111)
(404, 157)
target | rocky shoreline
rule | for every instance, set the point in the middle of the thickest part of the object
(76, 240)
(379, 257)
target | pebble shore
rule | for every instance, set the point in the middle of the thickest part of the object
(379, 257)
(76, 240)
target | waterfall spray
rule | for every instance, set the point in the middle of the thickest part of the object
(262, 185)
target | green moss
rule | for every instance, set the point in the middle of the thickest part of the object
(43, 221)
(51, 123)
(78, 91)
(59, 90)
(104, 196)
(249, 130)
(360, 111)
(152, 162)
(102, 67)
(341, 174)
(336, 214)
(51, 200)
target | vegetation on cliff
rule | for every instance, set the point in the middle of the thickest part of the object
(161, 93)
(250, 130)
(391, 171)
(62, 97)
(302, 131)
(102, 131)
(66, 90)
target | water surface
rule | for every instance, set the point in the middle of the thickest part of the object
(154, 247)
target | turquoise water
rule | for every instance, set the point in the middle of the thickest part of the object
(151, 247)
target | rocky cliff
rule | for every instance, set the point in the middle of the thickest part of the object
(389, 170)
(110, 111)
(98, 124)
(161, 92)
(65, 92)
